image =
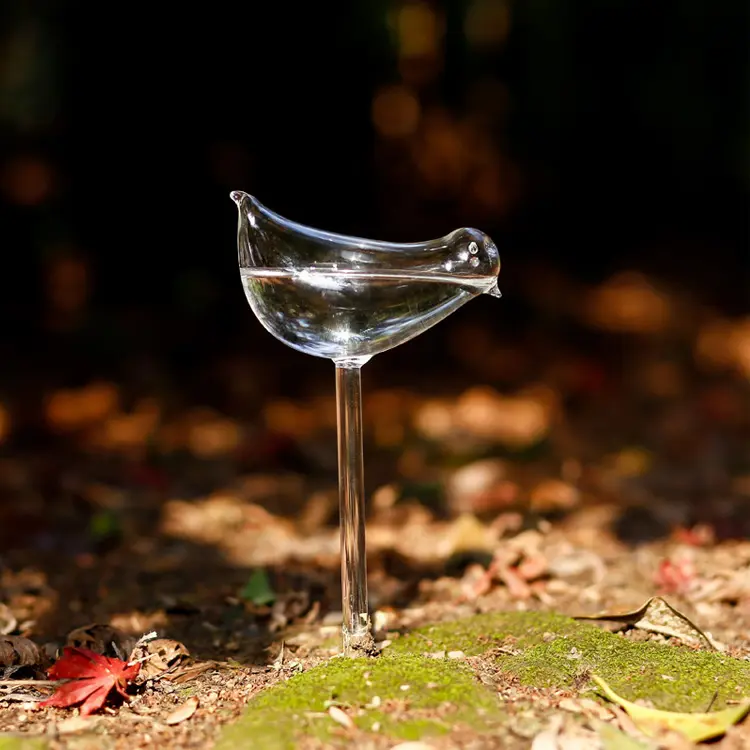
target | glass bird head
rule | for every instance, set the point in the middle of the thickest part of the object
(341, 297)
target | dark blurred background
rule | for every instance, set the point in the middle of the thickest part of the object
(587, 137)
(144, 412)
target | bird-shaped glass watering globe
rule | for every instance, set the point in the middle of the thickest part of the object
(347, 299)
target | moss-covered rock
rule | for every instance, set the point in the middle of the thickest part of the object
(482, 633)
(404, 696)
(408, 693)
(550, 650)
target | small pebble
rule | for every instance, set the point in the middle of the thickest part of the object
(382, 620)
(73, 725)
(456, 655)
(340, 717)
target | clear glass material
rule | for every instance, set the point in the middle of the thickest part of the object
(356, 616)
(347, 299)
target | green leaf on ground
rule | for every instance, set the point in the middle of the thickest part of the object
(696, 727)
(258, 589)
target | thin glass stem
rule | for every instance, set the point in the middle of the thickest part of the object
(356, 623)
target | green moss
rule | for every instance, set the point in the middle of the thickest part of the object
(18, 742)
(672, 677)
(477, 635)
(556, 651)
(540, 649)
(187, 691)
(440, 694)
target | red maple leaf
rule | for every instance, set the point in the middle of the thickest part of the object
(92, 678)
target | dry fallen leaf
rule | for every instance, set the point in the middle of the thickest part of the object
(287, 608)
(696, 727)
(8, 621)
(475, 582)
(547, 738)
(517, 421)
(211, 435)
(183, 712)
(159, 655)
(657, 616)
(340, 717)
(17, 696)
(675, 576)
(75, 724)
(585, 706)
(68, 410)
(613, 738)
(517, 587)
(554, 495)
(467, 534)
(629, 302)
(189, 672)
(4, 423)
(574, 737)
(469, 485)
(102, 639)
(532, 568)
(724, 343)
(17, 651)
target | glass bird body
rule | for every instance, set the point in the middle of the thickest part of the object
(348, 299)
(340, 297)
